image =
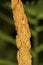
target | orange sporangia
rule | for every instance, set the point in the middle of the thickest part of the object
(23, 33)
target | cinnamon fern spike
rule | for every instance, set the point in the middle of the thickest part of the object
(23, 33)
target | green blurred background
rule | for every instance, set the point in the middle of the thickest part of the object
(8, 49)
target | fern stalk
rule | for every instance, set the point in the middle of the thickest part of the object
(23, 33)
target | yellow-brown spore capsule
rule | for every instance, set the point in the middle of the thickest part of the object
(23, 33)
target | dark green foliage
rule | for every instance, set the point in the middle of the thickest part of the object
(8, 49)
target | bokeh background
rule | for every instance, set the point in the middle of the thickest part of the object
(8, 49)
